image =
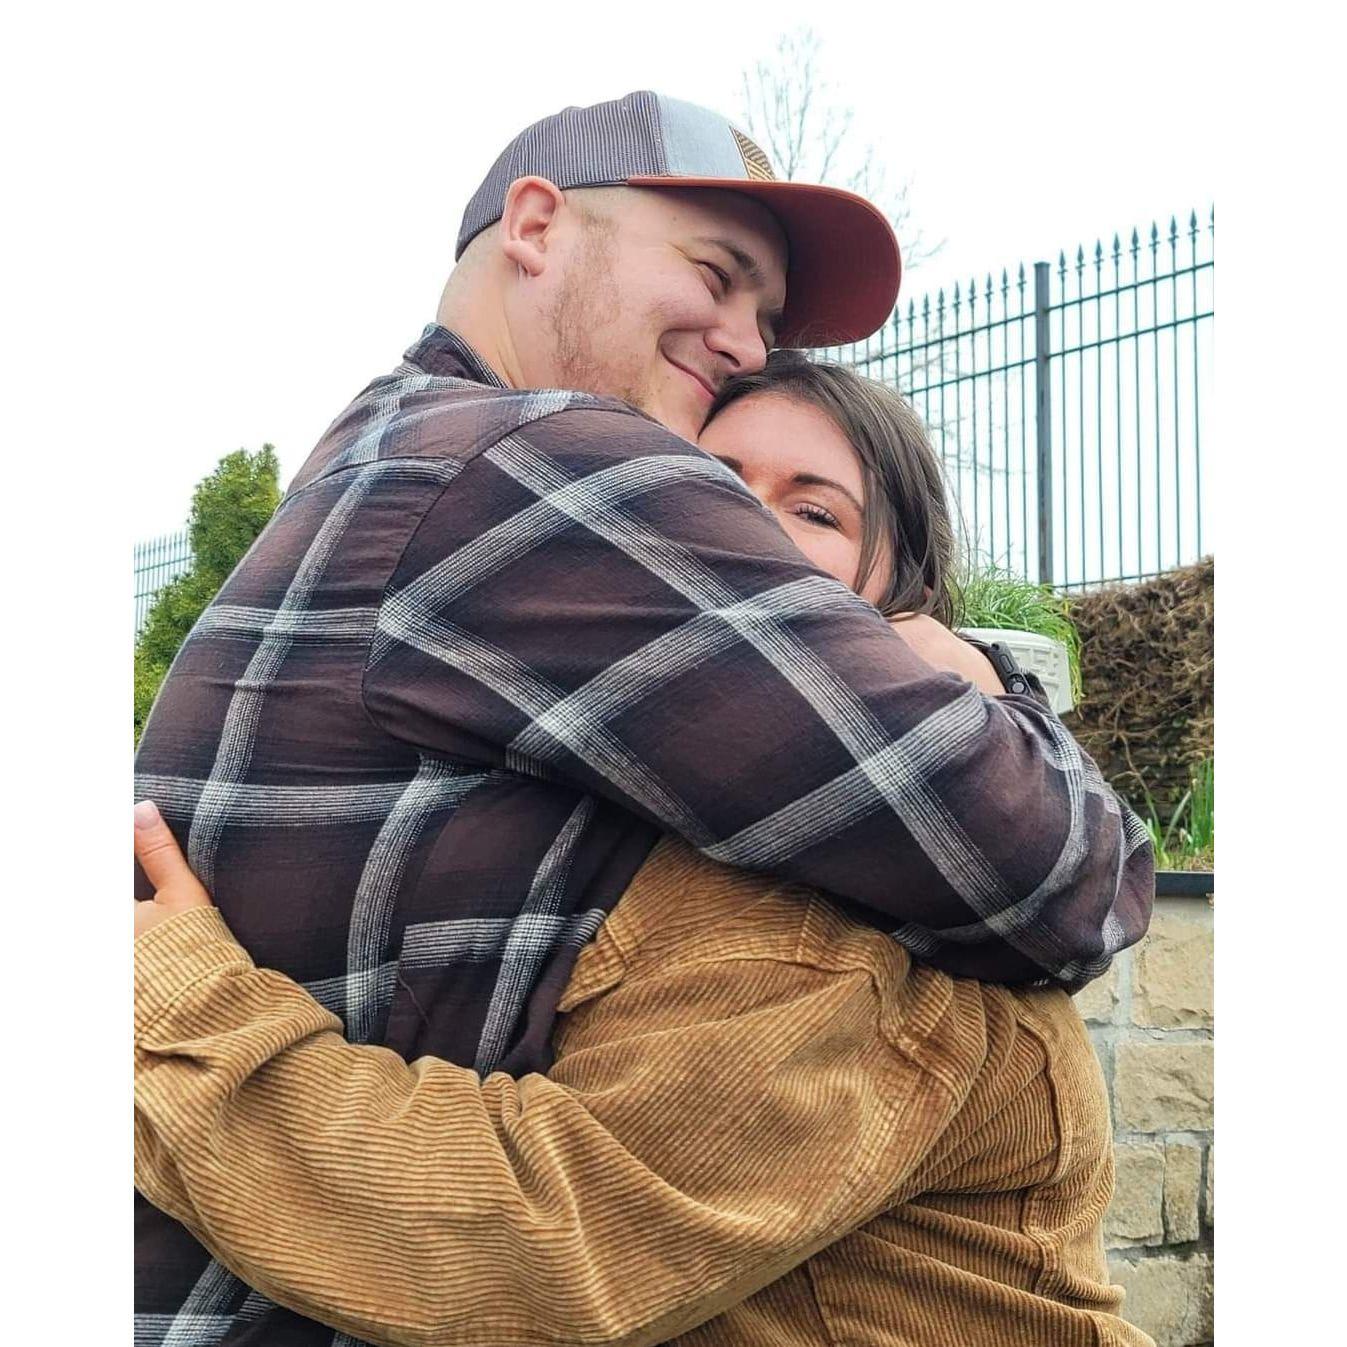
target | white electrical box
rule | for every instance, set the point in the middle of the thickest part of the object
(1041, 655)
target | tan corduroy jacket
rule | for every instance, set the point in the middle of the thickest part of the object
(765, 1125)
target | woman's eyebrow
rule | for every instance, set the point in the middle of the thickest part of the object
(813, 479)
(799, 479)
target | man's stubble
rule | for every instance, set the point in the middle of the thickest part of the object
(588, 303)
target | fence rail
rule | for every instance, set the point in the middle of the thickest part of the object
(156, 563)
(1065, 401)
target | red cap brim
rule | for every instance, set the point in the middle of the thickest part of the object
(845, 267)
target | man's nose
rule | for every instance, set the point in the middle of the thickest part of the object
(738, 339)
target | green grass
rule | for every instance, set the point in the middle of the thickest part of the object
(1188, 841)
(993, 597)
(1202, 807)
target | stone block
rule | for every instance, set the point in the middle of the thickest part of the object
(1101, 1040)
(1163, 1087)
(1136, 1214)
(1098, 1001)
(1172, 982)
(1210, 1204)
(1169, 1298)
(1183, 1183)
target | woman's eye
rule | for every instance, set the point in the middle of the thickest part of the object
(816, 514)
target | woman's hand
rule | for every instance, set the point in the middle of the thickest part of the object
(942, 649)
(176, 888)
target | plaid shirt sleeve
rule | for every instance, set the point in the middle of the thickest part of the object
(593, 599)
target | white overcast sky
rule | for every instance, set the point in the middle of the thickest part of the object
(291, 176)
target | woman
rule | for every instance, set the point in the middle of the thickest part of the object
(845, 465)
(941, 1177)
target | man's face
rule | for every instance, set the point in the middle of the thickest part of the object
(663, 295)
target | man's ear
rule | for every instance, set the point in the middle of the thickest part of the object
(532, 206)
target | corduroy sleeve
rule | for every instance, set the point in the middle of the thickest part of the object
(708, 1125)
(594, 599)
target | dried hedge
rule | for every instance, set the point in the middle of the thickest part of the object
(1148, 672)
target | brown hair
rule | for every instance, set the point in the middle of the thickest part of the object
(904, 488)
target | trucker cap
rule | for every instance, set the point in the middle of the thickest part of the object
(844, 263)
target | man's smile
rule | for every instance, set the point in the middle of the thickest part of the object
(704, 384)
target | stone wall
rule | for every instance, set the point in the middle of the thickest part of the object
(1151, 1022)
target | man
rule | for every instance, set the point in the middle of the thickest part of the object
(496, 642)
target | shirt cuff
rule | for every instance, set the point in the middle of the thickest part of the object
(176, 954)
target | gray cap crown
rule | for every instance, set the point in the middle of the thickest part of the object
(642, 135)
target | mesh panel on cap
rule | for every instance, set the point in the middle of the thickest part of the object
(577, 147)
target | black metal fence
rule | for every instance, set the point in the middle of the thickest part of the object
(1066, 402)
(156, 563)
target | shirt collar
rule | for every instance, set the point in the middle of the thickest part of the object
(446, 354)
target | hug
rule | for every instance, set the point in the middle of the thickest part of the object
(594, 896)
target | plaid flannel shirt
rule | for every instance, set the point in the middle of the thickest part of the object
(493, 645)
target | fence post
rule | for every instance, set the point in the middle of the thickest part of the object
(1043, 420)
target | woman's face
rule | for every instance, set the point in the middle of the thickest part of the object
(801, 467)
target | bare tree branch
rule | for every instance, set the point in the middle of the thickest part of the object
(806, 129)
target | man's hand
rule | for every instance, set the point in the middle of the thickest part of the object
(176, 888)
(942, 649)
